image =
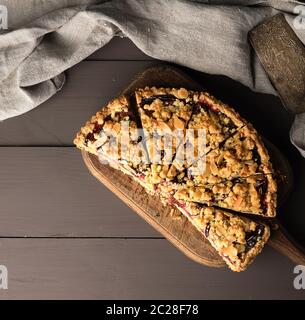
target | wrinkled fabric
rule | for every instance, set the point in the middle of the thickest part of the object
(45, 38)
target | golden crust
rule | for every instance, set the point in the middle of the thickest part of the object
(237, 239)
(253, 195)
(88, 130)
(217, 119)
(239, 175)
(163, 112)
(241, 155)
(223, 108)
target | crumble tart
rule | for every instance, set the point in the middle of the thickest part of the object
(113, 135)
(254, 195)
(238, 240)
(241, 155)
(212, 118)
(164, 115)
(112, 114)
(238, 175)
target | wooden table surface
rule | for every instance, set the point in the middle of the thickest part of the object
(64, 235)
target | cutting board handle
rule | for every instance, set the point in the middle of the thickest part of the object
(282, 242)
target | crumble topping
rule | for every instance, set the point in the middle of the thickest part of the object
(241, 155)
(163, 113)
(238, 174)
(249, 195)
(113, 135)
(237, 239)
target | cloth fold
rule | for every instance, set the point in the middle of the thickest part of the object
(209, 35)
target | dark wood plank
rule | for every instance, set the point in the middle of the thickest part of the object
(90, 85)
(133, 269)
(48, 192)
(119, 49)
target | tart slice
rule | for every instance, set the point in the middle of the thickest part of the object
(212, 123)
(255, 194)
(241, 155)
(113, 136)
(164, 115)
(238, 240)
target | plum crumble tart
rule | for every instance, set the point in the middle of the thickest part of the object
(152, 138)
(237, 239)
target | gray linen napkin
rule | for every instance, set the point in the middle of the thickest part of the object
(46, 37)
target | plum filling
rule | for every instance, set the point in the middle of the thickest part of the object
(107, 118)
(196, 109)
(89, 137)
(162, 97)
(262, 189)
(119, 116)
(172, 200)
(231, 125)
(253, 237)
(180, 204)
(256, 156)
(97, 128)
(228, 258)
(123, 114)
(207, 230)
(149, 113)
(204, 102)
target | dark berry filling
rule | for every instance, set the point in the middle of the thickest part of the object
(90, 137)
(149, 112)
(107, 118)
(253, 237)
(196, 109)
(256, 156)
(162, 97)
(228, 258)
(207, 230)
(205, 103)
(262, 189)
(123, 114)
(97, 128)
(231, 125)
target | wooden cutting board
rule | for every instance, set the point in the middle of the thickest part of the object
(168, 220)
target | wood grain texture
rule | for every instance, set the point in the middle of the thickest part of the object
(282, 55)
(90, 85)
(133, 269)
(165, 219)
(48, 192)
(282, 242)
